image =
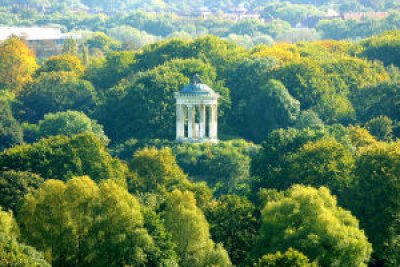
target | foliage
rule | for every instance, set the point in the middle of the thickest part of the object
(272, 108)
(69, 123)
(81, 223)
(157, 168)
(377, 171)
(308, 220)
(291, 258)
(62, 157)
(65, 63)
(56, 91)
(13, 253)
(274, 156)
(379, 100)
(17, 64)
(190, 232)
(10, 130)
(234, 224)
(14, 185)
(381, 127)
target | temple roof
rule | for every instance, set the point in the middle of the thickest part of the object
(197, 87)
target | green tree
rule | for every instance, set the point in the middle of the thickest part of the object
(162, 252)
(274, 156)
(56, 91)
(190, 232)
(106, 73)
(381, 127)
(380, 100)
(383, 47)
(308, 119)
(309, 220)
(15, 185)
(233, 223)
(69, 123)
(325, 162)
(62, 157)
(271, 108)
(10, 130)
(374, 198)
(291, 258)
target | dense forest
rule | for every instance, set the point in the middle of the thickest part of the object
(306, 172)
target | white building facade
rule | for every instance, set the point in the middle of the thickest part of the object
(197, 113)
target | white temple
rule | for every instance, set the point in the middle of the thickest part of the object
(197, 113)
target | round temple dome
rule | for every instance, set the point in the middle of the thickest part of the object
(196, 87)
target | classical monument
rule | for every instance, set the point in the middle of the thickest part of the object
(196, 113)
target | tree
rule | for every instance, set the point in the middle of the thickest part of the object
(324, 162)
(383, 47)
(274, 156)
(157, 168)
(62, 157)
(381, 127)
(244, 79)
(377, 171)
(119, 236)
(308, 82)
(79, 223)
(272, 108)
(56, 91)
(45, 223)
(17, 64)
(380, 100)
(233, 223)
(225, 167)
(190, 232)
(308, 119)
(111, 70)
(309, 220)
(70, 47)
(162, 252)
(70, 123)
(15, 185)
(65, 63)
(13, 253)
(10, 130)
(291, 258)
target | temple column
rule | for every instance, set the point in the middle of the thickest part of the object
(180, 123)
(202, 127)
(191, 121)
(213, 126)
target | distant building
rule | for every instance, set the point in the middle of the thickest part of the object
(202, 12)
(45, 41)
(365, 15)
(240, 13)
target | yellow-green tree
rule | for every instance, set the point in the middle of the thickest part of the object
(190, 232)
(66, 62)
(17, 64)
(80, 223)
(309, 220)
(13, 253)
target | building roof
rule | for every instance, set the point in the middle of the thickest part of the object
(33, 33)
(197, 87)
